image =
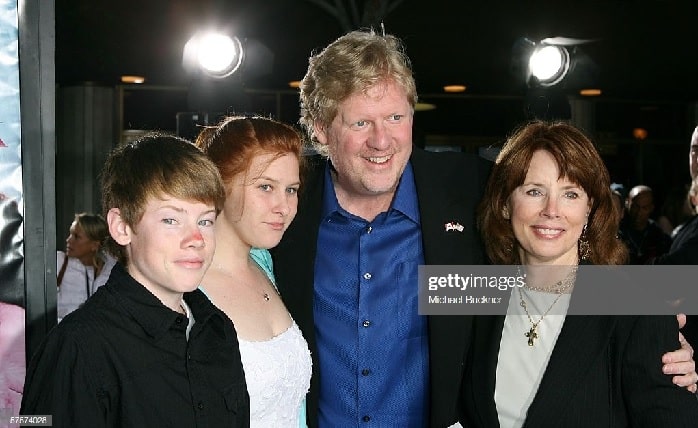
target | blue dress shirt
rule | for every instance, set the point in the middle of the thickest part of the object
(372, 344)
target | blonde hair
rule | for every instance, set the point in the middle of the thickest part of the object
(353, 63)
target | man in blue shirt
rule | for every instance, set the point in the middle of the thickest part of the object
(372, 209)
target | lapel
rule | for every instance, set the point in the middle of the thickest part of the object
(487, 333)
(582, 341)
(449, 186)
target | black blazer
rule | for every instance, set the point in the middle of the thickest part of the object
(604, 371)
(449, 186)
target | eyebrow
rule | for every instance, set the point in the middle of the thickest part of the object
(273, 180)
(182, 210)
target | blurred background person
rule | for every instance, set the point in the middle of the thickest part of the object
(693, 154)
(548, 207)
(684, 251)
(84, 266)
(676, 209)
(644, 239)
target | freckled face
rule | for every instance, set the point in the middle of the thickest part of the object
(548, 214)
(370, 141)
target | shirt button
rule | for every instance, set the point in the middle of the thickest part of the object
(367, 323)
(179, 320)
(366, 418)
(200, 406)
(365, 372)
(367, 275)
(369, 229)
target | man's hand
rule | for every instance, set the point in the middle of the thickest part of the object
(680, 362)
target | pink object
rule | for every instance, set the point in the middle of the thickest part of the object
(12, 366)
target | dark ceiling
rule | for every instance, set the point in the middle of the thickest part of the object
(644, 48)
(645, 52)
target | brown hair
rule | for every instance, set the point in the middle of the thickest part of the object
(579, 161)
(353, 63)
(151, 167)
(237, 140)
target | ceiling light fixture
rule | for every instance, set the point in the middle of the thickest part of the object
(454, 88)
(132, 79)
(590, 92)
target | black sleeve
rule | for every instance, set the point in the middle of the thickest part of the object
(652, 399)
(60, 382)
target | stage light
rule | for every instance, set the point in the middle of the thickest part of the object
(215, 54)
(553, 61)
(549, 64)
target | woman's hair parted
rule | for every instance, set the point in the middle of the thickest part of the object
(578, 161)
(236, 140)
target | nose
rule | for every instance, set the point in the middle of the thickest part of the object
(380, 137)
(550, 209)
(282, 205)
(194, 238)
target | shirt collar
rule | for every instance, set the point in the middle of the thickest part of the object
(405, 200)
(149, 312)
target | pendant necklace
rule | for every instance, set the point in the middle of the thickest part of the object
(559, 288)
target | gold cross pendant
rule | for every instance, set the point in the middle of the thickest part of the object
(531, 334)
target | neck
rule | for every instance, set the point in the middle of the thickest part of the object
(547, 275)
(365, 206)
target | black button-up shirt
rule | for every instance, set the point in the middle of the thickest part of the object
(123, 360)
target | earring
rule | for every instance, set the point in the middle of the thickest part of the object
(584, 247)
(505, 213)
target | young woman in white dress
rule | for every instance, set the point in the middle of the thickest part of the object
(259, 161)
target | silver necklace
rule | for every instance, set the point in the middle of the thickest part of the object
(559, 288)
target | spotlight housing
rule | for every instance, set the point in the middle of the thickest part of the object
(553, 61)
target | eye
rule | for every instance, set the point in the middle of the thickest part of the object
(534, 192)
(206, 222)
(169, 221)
(292, 190)
(266, 187)
(396, 117)
(571, 194)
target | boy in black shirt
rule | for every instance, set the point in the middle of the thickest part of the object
(147, 349)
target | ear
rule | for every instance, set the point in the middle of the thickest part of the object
(118, 229)
(320, 133)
